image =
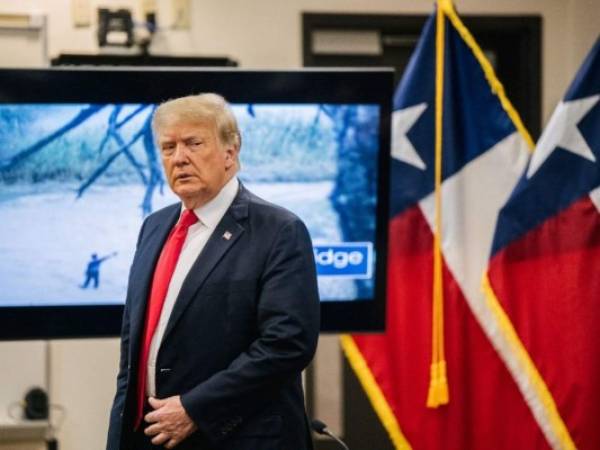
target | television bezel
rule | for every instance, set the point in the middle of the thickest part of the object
(153, 85)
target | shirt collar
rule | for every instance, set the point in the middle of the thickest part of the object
(211, 213)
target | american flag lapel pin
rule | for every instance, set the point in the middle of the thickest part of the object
(227, 235)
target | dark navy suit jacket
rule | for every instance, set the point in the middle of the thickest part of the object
(244, 325)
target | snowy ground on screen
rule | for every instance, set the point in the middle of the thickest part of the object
(48, 236)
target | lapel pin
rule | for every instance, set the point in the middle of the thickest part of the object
(227, 235)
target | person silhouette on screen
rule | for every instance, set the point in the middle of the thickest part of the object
(92, 272)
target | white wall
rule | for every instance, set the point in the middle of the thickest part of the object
(258, 34)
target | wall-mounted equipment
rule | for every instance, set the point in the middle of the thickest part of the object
(115, 28)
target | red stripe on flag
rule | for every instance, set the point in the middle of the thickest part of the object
(486, 410)
(548, 283)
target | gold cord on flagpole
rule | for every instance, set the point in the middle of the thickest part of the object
(438, 383)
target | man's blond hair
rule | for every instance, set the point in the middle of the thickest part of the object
(206, 107)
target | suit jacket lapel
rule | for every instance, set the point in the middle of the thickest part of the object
(222, 239)
(144, 270)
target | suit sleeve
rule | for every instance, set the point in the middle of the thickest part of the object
(288, 324)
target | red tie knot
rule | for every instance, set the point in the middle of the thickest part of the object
(188, 218)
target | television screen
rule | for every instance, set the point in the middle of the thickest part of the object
(79, 171)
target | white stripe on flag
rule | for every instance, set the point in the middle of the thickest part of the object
(595, 197)
(471, 200)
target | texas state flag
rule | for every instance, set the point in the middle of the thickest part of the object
(484, 151)
(544, 273)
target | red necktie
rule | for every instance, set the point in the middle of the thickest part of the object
(160, 285)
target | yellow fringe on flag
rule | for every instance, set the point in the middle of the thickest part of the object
(528, 366)
(376, 397)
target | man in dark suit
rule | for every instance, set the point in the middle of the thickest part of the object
(222, 310)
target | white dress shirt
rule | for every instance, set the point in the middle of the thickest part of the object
(209, 216)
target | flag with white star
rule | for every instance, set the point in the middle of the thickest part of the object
(484, 151)
(545, 266)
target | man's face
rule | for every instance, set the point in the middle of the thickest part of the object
(196, 163)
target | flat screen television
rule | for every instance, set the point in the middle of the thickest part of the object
(79, 171)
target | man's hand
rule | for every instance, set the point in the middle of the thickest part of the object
(170, 423)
